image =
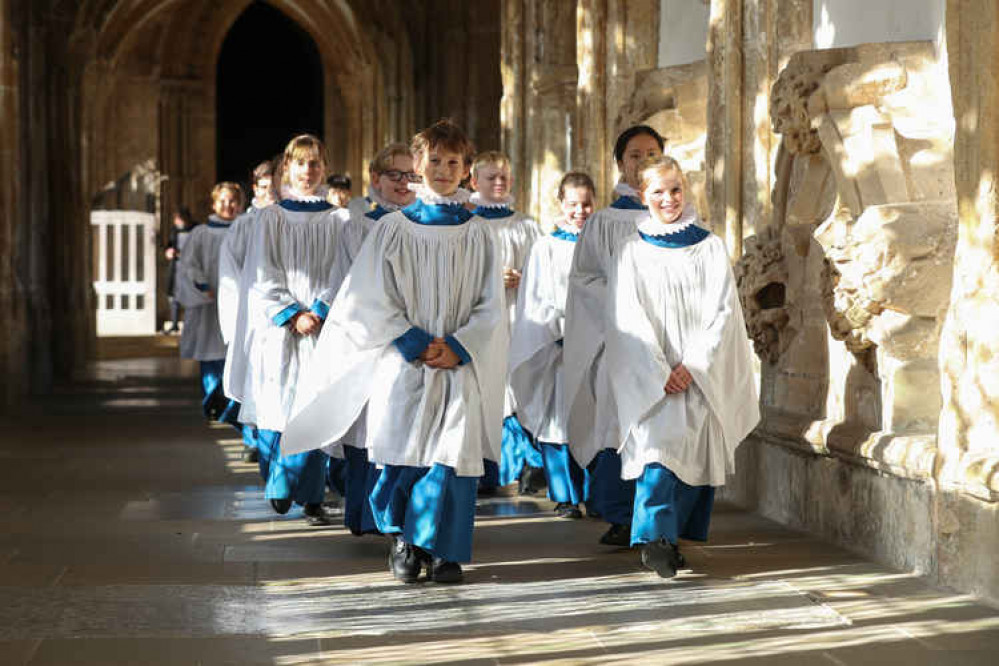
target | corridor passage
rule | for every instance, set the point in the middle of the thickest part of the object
(133, 534)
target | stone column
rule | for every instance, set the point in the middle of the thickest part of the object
(723, 152)
(969, 348)
(591, 150)
(513, 138)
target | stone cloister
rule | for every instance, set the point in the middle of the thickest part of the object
(847, 151)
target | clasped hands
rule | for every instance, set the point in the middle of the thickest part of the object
(511, 278)
(439, 354)
(306, 323)
(679, 380)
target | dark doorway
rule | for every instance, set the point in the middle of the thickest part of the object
(269, 88)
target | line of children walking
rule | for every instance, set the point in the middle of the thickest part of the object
(438, 347)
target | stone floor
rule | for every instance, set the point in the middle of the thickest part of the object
(133, 534)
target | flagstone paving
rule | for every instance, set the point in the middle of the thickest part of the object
(133, 534)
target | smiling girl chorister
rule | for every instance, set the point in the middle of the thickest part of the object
(679, 365)
(289, 260)
(417, 342)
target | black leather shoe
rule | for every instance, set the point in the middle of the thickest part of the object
(250, 454)
(440, 571)
(569, 511)
(487, 491)
(405, 562)
(281, 506)
(662, 557)
(315, 516)
(532, 480)
(617, 535)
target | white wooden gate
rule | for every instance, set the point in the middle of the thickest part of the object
(124, 244)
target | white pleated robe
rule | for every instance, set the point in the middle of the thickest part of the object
(201, 338)
(592, 414)
(445, 280)
(669, 306)
(536, 369)
(289, 262)
(232, 298)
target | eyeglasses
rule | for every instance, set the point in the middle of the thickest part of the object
(395, 175)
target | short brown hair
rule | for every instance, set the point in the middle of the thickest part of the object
(263, 170)
(384, 158)
(575, 179)
(235, 188)
(444, 134)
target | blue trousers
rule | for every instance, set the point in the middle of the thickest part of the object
(430, 507)
(213, 397)
(300, 477)
(667, 508)
(359, 479)
(606, 493)
(516, 451)
(565, 477)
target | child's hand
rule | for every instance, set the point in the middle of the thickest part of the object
(679, 380)
(307, 323)
(441, 356)
(511, 278)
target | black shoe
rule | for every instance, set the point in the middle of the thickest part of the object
(405, 561)
(662, 557)
(487, 491)
(250, 454)
(566, 510)
(440, 571)
(315, 516)
(532, 480)
(617, 535)
(281, 506)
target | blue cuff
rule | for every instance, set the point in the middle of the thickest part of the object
(458, 349)
(283, 317)
(320, 309)
(202, 286)
(412, 343)
(560, 342)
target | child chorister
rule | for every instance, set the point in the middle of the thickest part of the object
(516, 233)
(679, 365)
(592, 414)
(197, 289)
(416, 342)
(289, 261)
(391, 174)
(536, 369)
(232, 297)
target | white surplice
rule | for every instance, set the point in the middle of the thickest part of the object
(289, 263)
(592, 414)
(199, 265)
(671, 305)
(445, 280)
(232, 299)
(536, 369)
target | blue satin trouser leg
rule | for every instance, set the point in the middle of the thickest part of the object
(565, 476)
(667, 508)
(612, 497)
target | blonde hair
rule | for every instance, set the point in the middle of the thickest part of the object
(444, 134)
(235, 188)
(304, 146)
(383, 160)
(493, 157)
(660, 164)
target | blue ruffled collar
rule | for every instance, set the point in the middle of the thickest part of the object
(492, 212)
(565, 235)
(377, 213)
(437, 215)
(305, 206)
(628, 203)
(682, 233)
(216, 222)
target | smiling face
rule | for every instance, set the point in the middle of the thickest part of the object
(663, 194)
(492, 182)
(577, 205)
(393, 183)
(262, 191)
(442, 170)
(305, 172)
(226, 204)
(640, 148)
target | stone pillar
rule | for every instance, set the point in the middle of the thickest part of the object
(513, 138)
(723, 152)
(591, 152)
(969, 349)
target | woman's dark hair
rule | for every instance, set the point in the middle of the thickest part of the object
(184, 213)
(629, 134)
(339, 182)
